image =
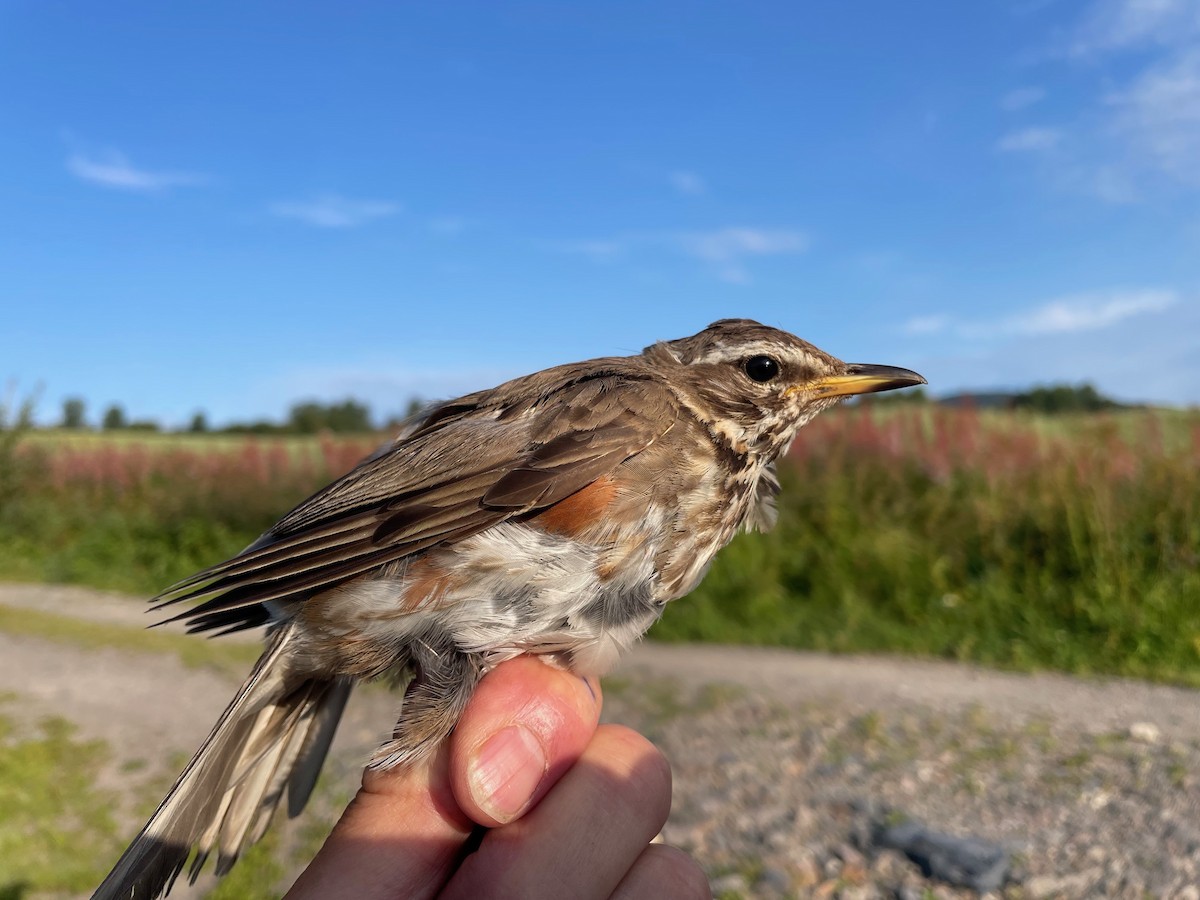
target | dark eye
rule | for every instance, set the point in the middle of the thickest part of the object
(761, 368)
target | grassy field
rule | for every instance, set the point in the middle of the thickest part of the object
(57, 827)
(59, 834)
(1072, 544)
(1069, 543)
(136, 512)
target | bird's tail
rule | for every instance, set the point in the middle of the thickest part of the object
(270, 740)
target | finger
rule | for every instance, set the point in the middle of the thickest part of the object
(664, 873)
(527, 724)
(400, 837)
(586, 834)
(403, 834)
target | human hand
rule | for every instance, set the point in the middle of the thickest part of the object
(570, 808)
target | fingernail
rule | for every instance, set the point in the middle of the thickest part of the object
(506, 771)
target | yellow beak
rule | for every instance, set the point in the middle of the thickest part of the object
(862, 378)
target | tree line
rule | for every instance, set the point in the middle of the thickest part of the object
(1051, 399)
(353, 416)
(307, 417)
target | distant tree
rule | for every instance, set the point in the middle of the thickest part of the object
(114, 418)
(349, 416)
(311, 417)
(74, 413)
(144, 425)
(306, 418)
(199, 423)
(1062, 398)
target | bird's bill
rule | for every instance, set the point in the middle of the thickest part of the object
(863, 378)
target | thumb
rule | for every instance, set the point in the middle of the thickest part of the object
(526, 725)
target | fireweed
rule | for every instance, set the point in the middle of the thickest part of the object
(1070, 543)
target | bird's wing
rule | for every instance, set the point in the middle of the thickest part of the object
(462, 472)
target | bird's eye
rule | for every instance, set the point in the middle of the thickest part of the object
(761, 368)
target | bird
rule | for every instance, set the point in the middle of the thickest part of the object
(556, 514)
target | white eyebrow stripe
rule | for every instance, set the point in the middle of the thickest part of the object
(735, 352)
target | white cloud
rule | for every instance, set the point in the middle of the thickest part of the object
(726, 249)
(723, 250)
(926, 325)
(1143, 358)
(1029, 140)
(1112, 25)
(1089, 312)
(1071, 314)
(335, 211)
(1140, 134)
(113, 170)
(1021, 98)
(731, 244)
(688, 183)
(1158, 114)
(1108, 182)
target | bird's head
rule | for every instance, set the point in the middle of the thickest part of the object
(756, 386)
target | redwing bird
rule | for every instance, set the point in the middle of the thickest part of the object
(555, 514)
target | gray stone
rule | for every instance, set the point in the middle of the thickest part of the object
(970, 862)
(774, 880)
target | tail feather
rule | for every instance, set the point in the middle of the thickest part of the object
(275, 742)
(303, 776)
(275, 732)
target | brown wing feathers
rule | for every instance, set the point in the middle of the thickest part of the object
(405, 500)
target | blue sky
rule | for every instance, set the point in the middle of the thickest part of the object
(233, 206)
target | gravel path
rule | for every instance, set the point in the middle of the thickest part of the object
(793, 771)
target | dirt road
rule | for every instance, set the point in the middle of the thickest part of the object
(778, 755)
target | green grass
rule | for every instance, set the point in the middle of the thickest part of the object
(56, 828)
(197, 652)
(58, 834)
(1014, 540)
(257, 875)
(135, 514)
(977, 539)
